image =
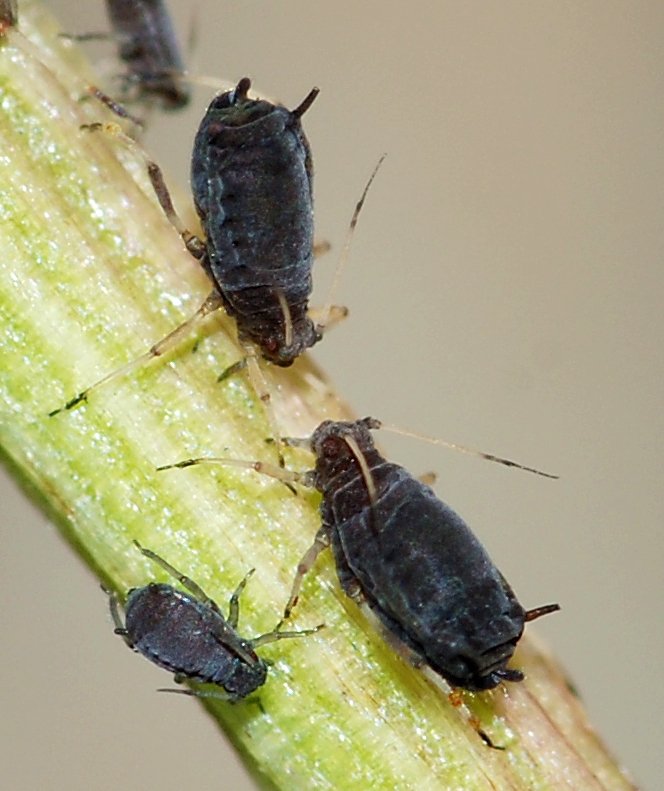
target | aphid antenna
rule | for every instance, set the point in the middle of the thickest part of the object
(330, 312)
(464, 449)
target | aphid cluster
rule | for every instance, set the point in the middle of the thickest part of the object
(400, 552)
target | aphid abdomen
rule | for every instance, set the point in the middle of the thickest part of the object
(160, 622)
(429, 579)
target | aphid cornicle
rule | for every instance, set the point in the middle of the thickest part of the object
(148, 47)
(187, 634)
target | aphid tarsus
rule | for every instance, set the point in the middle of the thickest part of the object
(186, 633)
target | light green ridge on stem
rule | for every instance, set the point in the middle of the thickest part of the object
(91, 275)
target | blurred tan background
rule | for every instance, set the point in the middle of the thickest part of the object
(505, 291)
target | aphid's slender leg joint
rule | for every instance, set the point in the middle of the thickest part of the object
(321, 542)
(234, 602)
(116, 615)
(232, 369)
(277, 634)
(199, 693)
(183, 579)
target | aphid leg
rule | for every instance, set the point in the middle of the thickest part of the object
(234, 602)
(116, 615)
(100, 36)
(185, 581)
(271, 470)
(455, 697)
(261, 387)
(115, 107)
(321, 542)
(193, 243)
(418, 661)
(168, 342)
(197, 693)
(277, 634)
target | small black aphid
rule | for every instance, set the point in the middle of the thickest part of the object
(410, 558)
(8, 14)
(148, 47)
(187, 634)
(251, 177)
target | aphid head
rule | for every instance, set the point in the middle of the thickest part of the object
(339, 446)
(282, 348)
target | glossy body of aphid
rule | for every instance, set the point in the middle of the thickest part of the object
(251, 177)
(414, 561)
(148, 47)
(187, 634)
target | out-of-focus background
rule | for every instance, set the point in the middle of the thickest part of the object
(505, 290)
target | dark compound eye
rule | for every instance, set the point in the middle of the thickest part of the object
(332, 447)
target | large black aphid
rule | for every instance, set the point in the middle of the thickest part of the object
(251, 176)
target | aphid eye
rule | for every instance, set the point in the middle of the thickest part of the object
(331, 447)
(271, 345)
(214, 129)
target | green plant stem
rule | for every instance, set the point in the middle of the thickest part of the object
(91, 275)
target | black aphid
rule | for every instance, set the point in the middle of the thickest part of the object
(251, 178)
(187, 634)
(148, 47)
(414, 561)
(410, 558)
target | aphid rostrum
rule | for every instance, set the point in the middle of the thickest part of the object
(186, 633)
(409, 558)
